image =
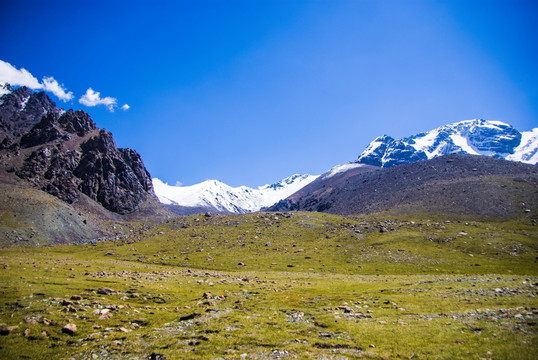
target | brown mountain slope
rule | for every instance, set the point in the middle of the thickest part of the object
(462, 185)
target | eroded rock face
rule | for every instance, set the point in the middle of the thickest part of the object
(63, 154)
(20, 110)
(52, 170)
(114, 177)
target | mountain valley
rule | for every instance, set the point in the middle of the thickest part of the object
(417, 250)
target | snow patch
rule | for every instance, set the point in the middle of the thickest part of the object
(24, 102)
(5, 89)
(527, 151)
(340, 169)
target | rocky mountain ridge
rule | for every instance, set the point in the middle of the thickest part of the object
(64, 154)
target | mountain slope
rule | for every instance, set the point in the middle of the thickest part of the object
(215, 196)
(322, 187)
(476, 137)
(457, 184)
(64, 154)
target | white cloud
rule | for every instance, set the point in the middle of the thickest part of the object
(93, 98)
(178, 183)
(125, 107)
(49, 84)
(22, 77)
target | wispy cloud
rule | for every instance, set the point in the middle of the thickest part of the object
(22, 77)
(93, 98)
(50, 84)
(125, 107)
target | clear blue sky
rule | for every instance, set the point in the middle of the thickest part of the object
(249, 92)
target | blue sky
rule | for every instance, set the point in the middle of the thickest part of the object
(249, 92)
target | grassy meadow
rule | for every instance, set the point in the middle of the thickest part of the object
(278, 286)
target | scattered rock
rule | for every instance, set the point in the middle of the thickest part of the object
(141, 321)
(8, 330)
(189, 317)
(69, 329)
(30, 320)
(156, 356)
(105, 291)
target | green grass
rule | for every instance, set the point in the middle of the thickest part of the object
(413, 293)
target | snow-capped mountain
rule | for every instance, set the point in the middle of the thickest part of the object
(477, 137)
(213, 195)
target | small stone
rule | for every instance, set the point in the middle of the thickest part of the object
(76, 297)
(69, 329)
(189, 317)
(30, 320)
(124, 330)
(141, 321)
(371, 345)
(105, 316)
(346, 309)
(105, 291)
(26, 332)
(8, 330)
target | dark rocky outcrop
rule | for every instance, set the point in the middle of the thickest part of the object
(114, 177)
(21, 109)
(64, 154)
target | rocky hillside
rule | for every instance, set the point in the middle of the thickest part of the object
(64, 154)
(476, 137)
(459, 185)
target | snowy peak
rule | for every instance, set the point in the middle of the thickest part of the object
(477, 137)
(217, 196)
(284, 183)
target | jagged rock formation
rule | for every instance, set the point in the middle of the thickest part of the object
(66, 155)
